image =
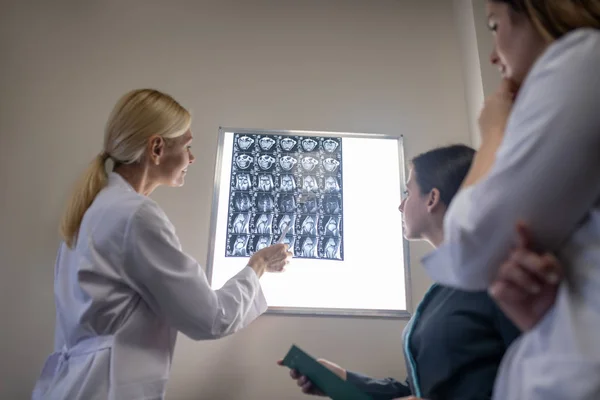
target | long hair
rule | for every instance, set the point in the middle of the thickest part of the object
(136, 117)
(555, 18)
(444, 169)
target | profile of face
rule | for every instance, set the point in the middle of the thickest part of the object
(171, 158)
(517, 44)
(414, 209)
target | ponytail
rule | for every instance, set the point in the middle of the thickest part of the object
(84, 193)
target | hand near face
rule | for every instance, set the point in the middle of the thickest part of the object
(496, 110)
(527, 282)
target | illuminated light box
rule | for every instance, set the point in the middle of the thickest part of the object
(336, 195)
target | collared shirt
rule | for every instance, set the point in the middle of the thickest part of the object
(453, 346)
(547, 174)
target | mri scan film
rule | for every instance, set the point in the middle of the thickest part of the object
(280, 181)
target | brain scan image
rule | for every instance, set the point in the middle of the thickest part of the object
(287, 203)
(285, 221)
(241, 223)
(331, 227)
(264, 202)
(309, 226)
(266, 161)
(262, 242)
(245, 142)
(264, 224)
(309, 144)
(265, 183)
(331, 185)
(266, 143)
(287, 162)
(330, 249)
(309, 247)
(243, 161)
(330, 164)
(288, 183)
(287, 143)
(309, 163)
(242, 202)
(330, 145)
(242, 182)
(332, 205)
(283, 182)
(239, 246)
(309, 184)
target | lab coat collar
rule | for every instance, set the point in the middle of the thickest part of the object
(115, 179)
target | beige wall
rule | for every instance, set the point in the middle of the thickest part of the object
(480, 77)
(384, 66)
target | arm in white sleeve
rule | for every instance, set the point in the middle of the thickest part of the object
(546, 173)
(175, 286)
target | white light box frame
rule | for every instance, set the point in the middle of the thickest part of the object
(371, 277)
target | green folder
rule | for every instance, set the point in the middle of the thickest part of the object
(320, 376)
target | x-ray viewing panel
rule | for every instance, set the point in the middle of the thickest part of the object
(339, 194)
(279, 181)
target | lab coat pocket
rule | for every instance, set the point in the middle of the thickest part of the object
(558, 377)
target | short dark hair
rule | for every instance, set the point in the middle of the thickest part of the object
(444, 169)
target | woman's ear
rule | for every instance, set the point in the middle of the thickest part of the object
(433, 200)
(157, 148)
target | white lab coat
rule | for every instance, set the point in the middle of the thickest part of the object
(547, 173)
(123, 294)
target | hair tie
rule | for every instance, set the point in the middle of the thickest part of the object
(104, 155)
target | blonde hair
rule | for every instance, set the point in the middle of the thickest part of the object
(137, 116)
(555, 18)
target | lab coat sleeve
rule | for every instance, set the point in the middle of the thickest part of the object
(175, 286)
(546, 173)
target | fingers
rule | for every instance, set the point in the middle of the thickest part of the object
(505, 293)
(512, 271)
(525, 235)
(544, 268)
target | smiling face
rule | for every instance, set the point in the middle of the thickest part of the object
(517, 44)
(175, 159)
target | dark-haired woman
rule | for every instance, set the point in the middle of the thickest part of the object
(455, 341)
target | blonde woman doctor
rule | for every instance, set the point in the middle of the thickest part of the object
(123, 286)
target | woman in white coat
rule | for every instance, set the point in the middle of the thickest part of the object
(542, 166)
(123, 286)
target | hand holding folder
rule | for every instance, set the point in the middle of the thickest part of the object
(321, 377)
